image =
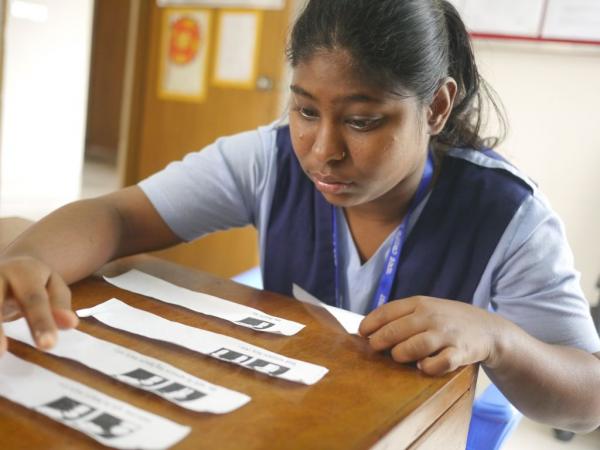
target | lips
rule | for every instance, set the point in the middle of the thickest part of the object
(328, 184)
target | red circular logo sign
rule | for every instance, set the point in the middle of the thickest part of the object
(185, 40)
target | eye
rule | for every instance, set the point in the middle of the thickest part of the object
(363, 123)
(307, 113)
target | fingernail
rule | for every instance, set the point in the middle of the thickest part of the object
(75, 319)
(419, 365)
(46, 340)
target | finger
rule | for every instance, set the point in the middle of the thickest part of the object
(31, 294)
(10, 310)
(448, 360)
(385, 314)
(60, 302)
(397, 331)
(418, 347)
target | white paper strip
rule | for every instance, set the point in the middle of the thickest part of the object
(117, 314)
(144, 284)
(137, 370)
(349, 320)
(103, 418)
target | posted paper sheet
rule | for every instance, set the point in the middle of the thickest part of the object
(573, 19)
(119, 315)
(103, 418)
(144, 284)
(508, 17)
(137, 370)
(183, 62)
(349, 320)
(243, 4)
(237, 49)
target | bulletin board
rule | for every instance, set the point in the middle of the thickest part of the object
(247, 4)
(571, 21)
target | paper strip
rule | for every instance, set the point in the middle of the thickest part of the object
(117, 314)
(137, 370)
(103, 418)
(144, 284)
(349, 320)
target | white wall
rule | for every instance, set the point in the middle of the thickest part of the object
(44, 103)
(552, 99)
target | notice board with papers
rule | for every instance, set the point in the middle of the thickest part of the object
(572, 21)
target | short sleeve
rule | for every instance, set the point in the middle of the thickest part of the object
(534, 284)
(217, 188)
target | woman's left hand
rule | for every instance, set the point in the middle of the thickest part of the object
(441, 335)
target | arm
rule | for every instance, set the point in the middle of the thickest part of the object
(549, 383)
(68, 245)
(529, 347)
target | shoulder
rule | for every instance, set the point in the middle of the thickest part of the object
(534, 210)
(492, 162)
(257, 142)
(242, 155)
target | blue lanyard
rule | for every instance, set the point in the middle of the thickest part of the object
(382, 295)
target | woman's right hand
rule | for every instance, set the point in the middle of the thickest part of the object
(28, 287)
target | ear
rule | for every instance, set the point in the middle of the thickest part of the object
(441, 106)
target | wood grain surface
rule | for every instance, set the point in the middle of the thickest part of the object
(364, 396)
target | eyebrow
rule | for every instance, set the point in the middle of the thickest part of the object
(354, 98)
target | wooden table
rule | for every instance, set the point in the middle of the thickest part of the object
(365, 401)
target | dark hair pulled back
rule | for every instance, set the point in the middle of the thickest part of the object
(408, 47)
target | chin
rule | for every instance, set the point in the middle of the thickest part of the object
(341, 201)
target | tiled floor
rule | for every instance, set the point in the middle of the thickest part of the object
(100, 178)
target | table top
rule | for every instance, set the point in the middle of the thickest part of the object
(364, 395)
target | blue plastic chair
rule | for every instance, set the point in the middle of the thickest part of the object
(493, 418)
(252, 278)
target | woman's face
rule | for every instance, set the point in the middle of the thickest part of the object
(360, 145)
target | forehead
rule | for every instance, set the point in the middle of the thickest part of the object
(335, 70)
(333, 75)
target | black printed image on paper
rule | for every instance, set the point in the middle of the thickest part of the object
(232, 356)
(141, 378)
(107, 426)
(267, 367)
(179, 393)
(250, 362)
(257, 324)
(65, 409)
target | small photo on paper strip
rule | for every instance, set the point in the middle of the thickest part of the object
(137, 370)
(118, 314)
(105, 419)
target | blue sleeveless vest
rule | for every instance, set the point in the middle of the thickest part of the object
(444, 255)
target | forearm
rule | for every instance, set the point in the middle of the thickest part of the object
(556, 385)
(74, 240)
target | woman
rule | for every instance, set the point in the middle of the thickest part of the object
(380, 196)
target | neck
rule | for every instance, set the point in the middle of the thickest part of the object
(390, 208)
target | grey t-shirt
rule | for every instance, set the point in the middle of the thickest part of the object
(530, 278)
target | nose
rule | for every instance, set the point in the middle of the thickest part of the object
(329, 144)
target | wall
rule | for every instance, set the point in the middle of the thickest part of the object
(107, 69)
(552, 99)
(44, 100)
